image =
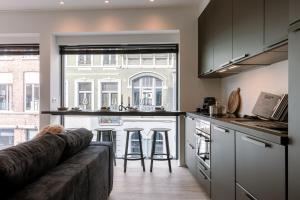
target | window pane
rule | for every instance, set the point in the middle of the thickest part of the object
(136, 97)
(114, 99)
(97, 60)
(29, 96)
(4, 97)
(6, 138)
(71, 60)
(158, 97)
(105, 99)
(85, 86)
(105, 59)
(158, 82)
(136, 83)
(147, 81)
(110, 86)
(113, 60)
(84, 60)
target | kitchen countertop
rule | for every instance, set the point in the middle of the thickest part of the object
(272, 136)
(114, 113)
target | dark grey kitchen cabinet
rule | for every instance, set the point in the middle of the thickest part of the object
(222, 163)
(294, 13)
(190, 126)
(248, 28)
(222, 22)
(261, 167)
(203, 177)
(294, 111)
(276, 22)
(205, 41)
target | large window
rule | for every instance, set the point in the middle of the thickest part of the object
(6, 138)
(32, 91)
(19, 93)
(84, 94)
(144, 77)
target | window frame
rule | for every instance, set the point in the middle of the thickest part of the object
(118, 81)
(76, 96)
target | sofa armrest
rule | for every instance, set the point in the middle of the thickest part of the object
(111, 160)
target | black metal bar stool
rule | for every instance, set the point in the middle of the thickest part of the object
(160, 156)
(101, 133)
(134, 156)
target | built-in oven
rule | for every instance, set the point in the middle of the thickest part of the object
(202, 135)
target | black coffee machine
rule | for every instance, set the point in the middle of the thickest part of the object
(208, 101)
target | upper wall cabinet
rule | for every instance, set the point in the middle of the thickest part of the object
(294, 11)
(205, 51)
(222, 22)
(276, 22)
(248, 28)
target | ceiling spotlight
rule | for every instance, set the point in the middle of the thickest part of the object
(151, 0)
(106, 1)
(61, 2)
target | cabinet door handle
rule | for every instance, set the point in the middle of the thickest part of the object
(255, 142)
(192, 146)
(221, 130)
(250, 196)
(204, 175)
(240, 57)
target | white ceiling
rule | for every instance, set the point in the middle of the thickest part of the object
(88, 4)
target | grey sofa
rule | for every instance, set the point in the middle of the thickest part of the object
(86, 175)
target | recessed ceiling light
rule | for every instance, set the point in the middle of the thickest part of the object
(106, 1)
(61, 2)
(151, 0)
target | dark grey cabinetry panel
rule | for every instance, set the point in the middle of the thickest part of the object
(248, 25)
(294, 112)
(222, 163)
(276, 21)
(222, 20)
(190, 126)
(294, 10)
(205, 51)
(260, 167)
(203, 178)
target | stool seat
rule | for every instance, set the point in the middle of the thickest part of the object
(104, 129)
(133, 129)
(160, 129)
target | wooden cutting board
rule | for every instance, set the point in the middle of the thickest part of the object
(233, 101)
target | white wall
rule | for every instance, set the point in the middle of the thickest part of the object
(47, 24)
(273, 79)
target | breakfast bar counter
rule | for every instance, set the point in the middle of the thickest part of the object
(116, 113)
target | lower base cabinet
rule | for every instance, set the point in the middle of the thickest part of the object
(203, 177)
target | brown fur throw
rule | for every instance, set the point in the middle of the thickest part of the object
(53, 129)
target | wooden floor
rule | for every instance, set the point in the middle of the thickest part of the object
(160, 184)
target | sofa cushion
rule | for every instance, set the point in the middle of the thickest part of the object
(84, 176)
(23, 163)
(76, 140)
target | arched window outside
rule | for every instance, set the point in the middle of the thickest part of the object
(135, 144)
(147, 91)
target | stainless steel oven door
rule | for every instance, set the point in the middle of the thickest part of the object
(203, 147)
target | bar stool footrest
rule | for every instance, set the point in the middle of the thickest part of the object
(133, 156)
(161, 157)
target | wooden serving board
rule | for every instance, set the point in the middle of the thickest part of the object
(234, 101)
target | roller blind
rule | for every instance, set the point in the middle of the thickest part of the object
(119, 49)
(19, 49)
